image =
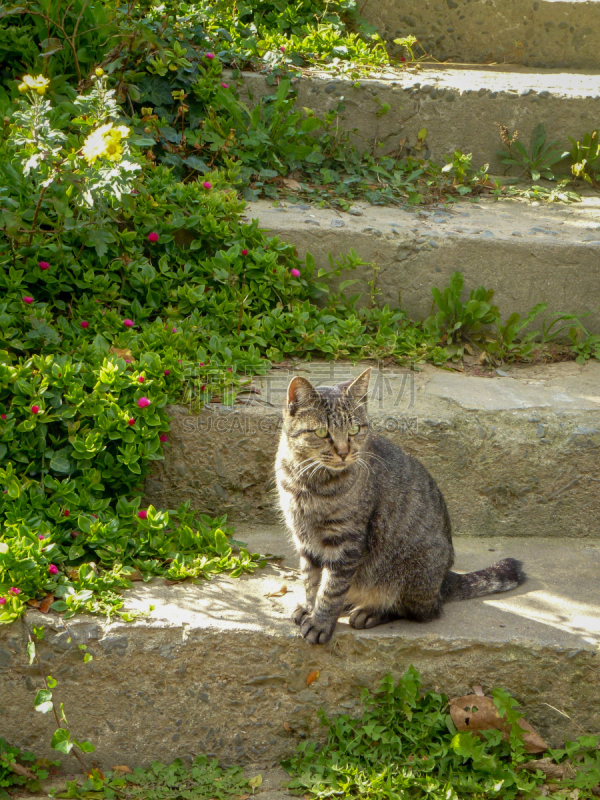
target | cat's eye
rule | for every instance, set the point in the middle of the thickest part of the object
(321, 432)
(353, 430)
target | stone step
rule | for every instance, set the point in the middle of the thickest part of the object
(526, 252)
(220, 668)
(458, 106)
(516, 454)
(538, 33)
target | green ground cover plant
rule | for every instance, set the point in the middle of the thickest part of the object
(406, 746)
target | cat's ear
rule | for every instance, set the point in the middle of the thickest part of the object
(359, 387)
(300, 393)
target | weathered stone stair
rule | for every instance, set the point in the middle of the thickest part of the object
(219, 667)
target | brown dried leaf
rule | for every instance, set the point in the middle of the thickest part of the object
(475, 713)
(46, 603)
(286, 725)
(135, 575)
(312, 677)
(122, 352)
(171, 583)
(290, 183)
(33, 603)
(123, 768)
(24, 772)
(279, 593)
(550, 769)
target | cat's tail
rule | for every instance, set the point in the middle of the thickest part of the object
(500, 577)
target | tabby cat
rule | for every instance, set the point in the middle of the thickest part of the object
(369, 522)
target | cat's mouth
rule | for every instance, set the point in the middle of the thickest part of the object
(340, 466)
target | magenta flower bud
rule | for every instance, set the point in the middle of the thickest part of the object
(84, 323)
(129, 323)
(41, 536)
(2, 416)
(173, 329)
(167, 372)
(14, 590)
(141, 379)
(225, 85)
(35, 409)
(131, 421)
(210, 56)
(43, 265)
(53, 569)
(244, 252)
(207, 185)
(295, 273)
(143, 514)
(143, 402)
(153, 237)
(27, 299)
(163, 437)
(2, 601)
(282, 48)
(66, 513)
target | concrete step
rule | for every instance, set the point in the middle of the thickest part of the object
(459, 106)
(526, 252)
(514, 456)
(540, 33)
(220, 668)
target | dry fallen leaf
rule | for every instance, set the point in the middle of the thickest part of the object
(122, 352)
(286, 725)
(549, 768)
(25, 772)
(279, 593)
(478, 690)
(312, 677)
(475, 713)
(255, 782)
(46, 603)
(123, 768)
(33, 603)
(135, 575)
(290, 183)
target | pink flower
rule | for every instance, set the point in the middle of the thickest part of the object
(143, 402)
(210, 56)
(163, 437)
(229, 369)
(225, 85)
(35, 409)
(207, 185)
(14, 590)
(143, 514)
(28, 300)
(203, 387)
(153, 237)
(2, 601)
(84, 323)
(66, 513)
(2, 416)
(131, 421)
(53, 569)
(295, 272)
(141, 379)
(43, 265)
(174, 330)
(202, 363)
(129, 323)
(282, 48)
(402, 58)
(41, 536)
(167, 372)
(244, 252)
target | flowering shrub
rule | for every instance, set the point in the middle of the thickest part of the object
(121, 290)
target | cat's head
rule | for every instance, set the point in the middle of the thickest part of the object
(326, 425)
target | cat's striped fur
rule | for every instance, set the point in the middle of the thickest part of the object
(369, 522)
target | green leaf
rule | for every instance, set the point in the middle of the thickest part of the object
(61, 741)
(43, 701)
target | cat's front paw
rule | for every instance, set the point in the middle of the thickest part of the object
(316, 632)
(300, 613)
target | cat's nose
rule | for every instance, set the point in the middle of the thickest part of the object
(342, 451)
